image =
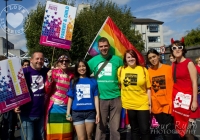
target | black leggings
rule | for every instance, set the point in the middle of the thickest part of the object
(140, 124)
(165, 121)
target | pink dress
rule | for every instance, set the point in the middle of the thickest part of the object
(56, 106)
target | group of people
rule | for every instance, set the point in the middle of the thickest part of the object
(61, 98)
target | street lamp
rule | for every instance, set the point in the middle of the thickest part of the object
(7, 27)
(146, 49)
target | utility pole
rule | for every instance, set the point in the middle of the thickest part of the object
(6, 29)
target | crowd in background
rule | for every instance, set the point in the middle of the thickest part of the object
(65, 102)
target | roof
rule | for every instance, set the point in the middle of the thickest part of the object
(146, 20)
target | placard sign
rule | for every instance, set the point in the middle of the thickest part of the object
(58, 25)
(13, 88)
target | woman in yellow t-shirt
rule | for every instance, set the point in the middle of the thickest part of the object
(161, 93)
(135, 95)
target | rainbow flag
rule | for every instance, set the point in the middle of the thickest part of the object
(119, 43)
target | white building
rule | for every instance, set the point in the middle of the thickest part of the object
(82, 7)
(152, 32)
(11, 51)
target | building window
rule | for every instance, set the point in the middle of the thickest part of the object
(156, 48)
(153, 27)
(154, 39)
(133, 26)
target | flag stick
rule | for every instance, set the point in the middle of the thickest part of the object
(21, 126)
(52, 56)
(96, 37)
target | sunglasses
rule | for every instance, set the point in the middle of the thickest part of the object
(66, 61)
(177, 47)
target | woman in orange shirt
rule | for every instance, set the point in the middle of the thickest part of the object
(161, 93)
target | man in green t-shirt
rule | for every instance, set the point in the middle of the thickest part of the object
(109, 92)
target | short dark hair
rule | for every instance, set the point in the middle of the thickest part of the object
(2, 57)
(133, 54)
(178, 43)
(25, 60)
(103, 39)
(36, 52)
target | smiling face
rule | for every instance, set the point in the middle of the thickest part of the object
(130, 60)
(82, 69)
(37, 60)
(103, 48)
(63, 63)
(154, 59)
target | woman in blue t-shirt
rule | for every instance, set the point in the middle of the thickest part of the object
(83, 100)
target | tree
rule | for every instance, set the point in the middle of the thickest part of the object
(87, 25)
(89, 22)
(33, 32)
(193, 37)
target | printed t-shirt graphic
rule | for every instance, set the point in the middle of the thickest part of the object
(107, 80)
(130, 79)
(158, 82)
(182, 100)
(134, 84)
(83, 94)
(37, 83)
(82, 91)
(107, 70)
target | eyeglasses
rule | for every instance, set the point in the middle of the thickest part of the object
(66, 61)
(177, 47)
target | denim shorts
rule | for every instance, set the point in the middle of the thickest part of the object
(80, 117)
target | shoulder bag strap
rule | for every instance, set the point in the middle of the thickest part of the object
(174, 74)
(102, 66)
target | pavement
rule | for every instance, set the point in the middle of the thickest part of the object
(126, 135)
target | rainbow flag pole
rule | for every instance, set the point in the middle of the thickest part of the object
(95, 39)
(118, 42)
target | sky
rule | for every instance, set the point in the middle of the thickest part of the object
(179, 16)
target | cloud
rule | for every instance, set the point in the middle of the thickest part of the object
(198, 20)
(36, 3)
(150, 7)
(121, 2)
(188, 9)
(169, 33)
(19, 41)
(174, 13)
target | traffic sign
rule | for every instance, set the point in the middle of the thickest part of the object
(162, 49)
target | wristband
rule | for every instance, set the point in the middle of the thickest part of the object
(68, 116)
(49, 80)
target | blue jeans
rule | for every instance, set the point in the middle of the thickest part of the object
(33, 128)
